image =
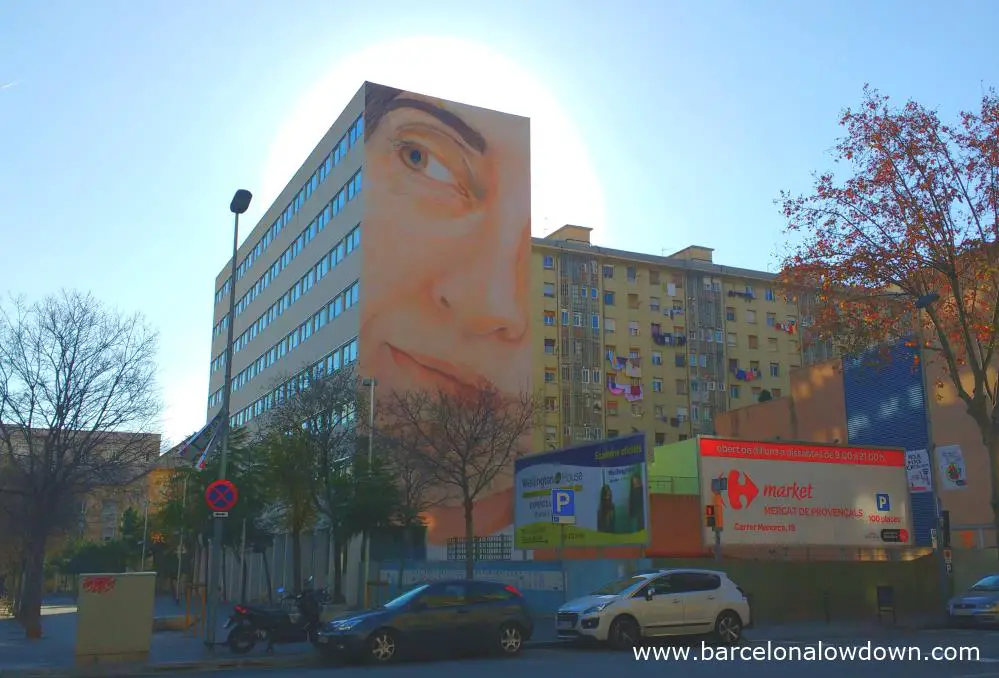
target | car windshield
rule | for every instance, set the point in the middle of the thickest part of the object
(619, 586)
(990, 583)
(405, 598)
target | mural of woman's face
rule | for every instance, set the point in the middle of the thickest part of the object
(446, 237)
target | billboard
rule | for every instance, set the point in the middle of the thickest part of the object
(801, 494)
(446, 232)
(610, 485)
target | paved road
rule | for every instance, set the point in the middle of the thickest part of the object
(581, 663)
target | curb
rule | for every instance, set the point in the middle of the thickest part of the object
(103, 670)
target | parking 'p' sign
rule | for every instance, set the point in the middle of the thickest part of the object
(221, 496)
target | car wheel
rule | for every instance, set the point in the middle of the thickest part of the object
(241, 640)
(511, 639)
(624, 634)
(728, 628)
(383, 647)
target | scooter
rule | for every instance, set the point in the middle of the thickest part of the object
(252, 625)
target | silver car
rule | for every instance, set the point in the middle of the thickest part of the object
(979, 605)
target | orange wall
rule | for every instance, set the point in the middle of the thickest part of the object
(815, 410)
(953, 426)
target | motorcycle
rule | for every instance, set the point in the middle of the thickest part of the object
(252, 625)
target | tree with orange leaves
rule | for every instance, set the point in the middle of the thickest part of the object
(913, 216)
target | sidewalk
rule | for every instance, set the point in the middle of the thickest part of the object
(170, 651)
(816, 631)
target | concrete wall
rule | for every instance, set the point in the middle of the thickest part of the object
(791, 591)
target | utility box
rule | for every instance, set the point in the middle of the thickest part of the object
(115, 617)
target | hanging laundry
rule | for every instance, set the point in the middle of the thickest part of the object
(681, 341)
(740, 375)
(634, 393)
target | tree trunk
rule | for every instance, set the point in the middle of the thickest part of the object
(406, 548)
(337, 592)
(243, 582)
(32, 584)
(296, 559)
(267, 577)
(992, 447)
(469, 540)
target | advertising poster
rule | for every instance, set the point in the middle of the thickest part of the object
(796, 494)
(919, 471)
(950, 461)
(611, 495)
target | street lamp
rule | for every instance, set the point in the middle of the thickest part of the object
(240, 203)
(370, 383)
(922, 303)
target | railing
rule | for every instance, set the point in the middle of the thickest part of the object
(495, 547)
(673, 485)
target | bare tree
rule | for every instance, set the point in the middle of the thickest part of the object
(462, 440)
(77, 396)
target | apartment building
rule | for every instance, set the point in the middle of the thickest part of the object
(659, 344)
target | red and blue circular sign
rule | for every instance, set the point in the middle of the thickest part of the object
(221, 496)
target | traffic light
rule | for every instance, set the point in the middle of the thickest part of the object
(945, 529)
(719, 512)
(709, 516)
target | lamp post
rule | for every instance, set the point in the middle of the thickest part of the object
(921, 304)
(240, 203)
(370, 383)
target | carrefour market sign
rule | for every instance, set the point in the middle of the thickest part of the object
(794, 494)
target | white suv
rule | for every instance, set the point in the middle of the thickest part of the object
(677, 602)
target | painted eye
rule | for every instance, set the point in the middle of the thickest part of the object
(421, 160)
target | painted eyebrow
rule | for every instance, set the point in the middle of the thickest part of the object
(470, 135)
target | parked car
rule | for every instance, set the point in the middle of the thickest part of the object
(979, 605)
(677, 602)
(433, 619)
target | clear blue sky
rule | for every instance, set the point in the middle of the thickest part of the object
(125, 126)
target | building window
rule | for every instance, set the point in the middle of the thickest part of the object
(612, 408)
(733, 364)
(683, 436)
(750, 316)
(550, 346)
(550, 318)
(754, 341)
(609, 298)
(549, 376)
(776, 392)
(551, 404)
(577, 319)
(756, 392)
(565, 318)
(750, 292)
(612, 433)
(653, 303)
(770, 295)
(657, 385)
(731, 340)
(771, 319)
(549, 289)
(660, 438)
(633, 328)
(653, 277)
(774, 369)
(632, 274)
(609, 325)
(733, 391)
(730, 314)
(657, 358)
(681, 387)
(772, 344)
(608, 271)
(549, 261)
